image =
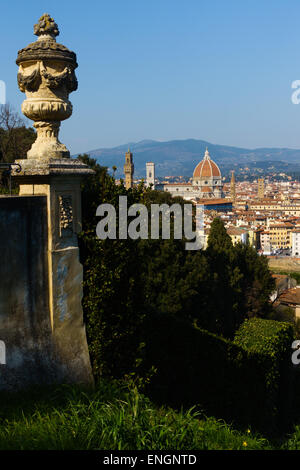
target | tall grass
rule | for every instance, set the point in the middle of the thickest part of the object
(110, 418)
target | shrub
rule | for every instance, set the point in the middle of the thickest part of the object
(270, 343)
(246, 381)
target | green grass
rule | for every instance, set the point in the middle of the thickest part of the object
(112, 418)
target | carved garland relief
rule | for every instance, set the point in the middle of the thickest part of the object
(65, 215)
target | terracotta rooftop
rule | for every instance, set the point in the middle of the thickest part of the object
(211, 202)
(291, 296)
(235, 231)
(207, 168)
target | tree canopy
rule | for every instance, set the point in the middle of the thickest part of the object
(129, 281)
(15, 140)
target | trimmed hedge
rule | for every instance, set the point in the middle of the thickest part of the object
(246, 381)
(269, 342)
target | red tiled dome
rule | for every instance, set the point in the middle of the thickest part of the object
(207, 168)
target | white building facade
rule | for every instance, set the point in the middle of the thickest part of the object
(295, 239)
(150, 175)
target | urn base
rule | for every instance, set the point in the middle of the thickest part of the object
(47, 146)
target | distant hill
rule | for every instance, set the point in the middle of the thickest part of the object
(179, 157)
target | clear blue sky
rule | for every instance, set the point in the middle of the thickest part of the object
(170, 69)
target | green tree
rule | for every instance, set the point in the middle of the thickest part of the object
(130, 283)
(15, 140)
(218, 239)
(257, 283)
(224, 279)
(240, 284)
(113, 291)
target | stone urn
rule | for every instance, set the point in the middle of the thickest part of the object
(46, 75)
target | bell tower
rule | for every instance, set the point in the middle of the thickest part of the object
(128, 170)
(150, 175)
(232, 187)
(260, 188)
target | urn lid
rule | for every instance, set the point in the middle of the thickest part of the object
(46, 47)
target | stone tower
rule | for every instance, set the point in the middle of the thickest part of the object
(150, 175)
(232, 187)
(260, 188)
(128, 170)
(47, 75)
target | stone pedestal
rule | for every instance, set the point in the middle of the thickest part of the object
(59, 180)
(47, 76)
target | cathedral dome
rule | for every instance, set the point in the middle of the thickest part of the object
(207, 168)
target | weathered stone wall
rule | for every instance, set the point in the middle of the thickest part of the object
(39, 348)
(24, 311)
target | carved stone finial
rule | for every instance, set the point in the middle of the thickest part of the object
(46, 25)
(47, 76)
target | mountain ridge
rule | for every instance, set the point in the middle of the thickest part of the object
(179, 157)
